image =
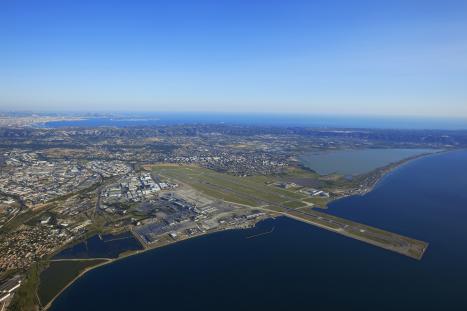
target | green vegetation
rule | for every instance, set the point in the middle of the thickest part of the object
(295, 171)
(294, 204)
(274, 208)
(261, 191)
(59, 274)
(18, 220)
(253, 191)
(215, 192)
(25, 299)
(318, 201)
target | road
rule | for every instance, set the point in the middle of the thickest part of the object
(374, 236)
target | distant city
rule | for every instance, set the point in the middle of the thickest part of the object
(233, 155)
(63, 182)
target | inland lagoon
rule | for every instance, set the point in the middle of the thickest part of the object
(355, 161)
(300, 267)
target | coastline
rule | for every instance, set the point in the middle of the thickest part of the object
(383, 172)
(379, 172)
(127, 254)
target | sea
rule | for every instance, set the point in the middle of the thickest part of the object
(301, 267)
(285, 120)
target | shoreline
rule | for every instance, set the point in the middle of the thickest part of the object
(127, 254)
(382, 171)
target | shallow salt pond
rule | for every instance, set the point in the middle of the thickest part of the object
(355, 161)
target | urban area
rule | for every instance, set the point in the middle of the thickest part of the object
(162, 184)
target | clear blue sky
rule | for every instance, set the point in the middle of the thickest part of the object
(321, 57)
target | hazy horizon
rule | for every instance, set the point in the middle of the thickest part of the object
(154, 118)
(359, 58)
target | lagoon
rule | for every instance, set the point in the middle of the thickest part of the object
(301, 267)
(101, 246)
(355, 161)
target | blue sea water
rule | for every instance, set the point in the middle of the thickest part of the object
(301, 267)
(166, 118)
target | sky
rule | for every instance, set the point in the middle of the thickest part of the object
(384, 58)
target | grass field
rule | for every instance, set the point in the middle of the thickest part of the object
(25, 298)
(252, 191)
(260, 191)
(320, 202)
(294, 204)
